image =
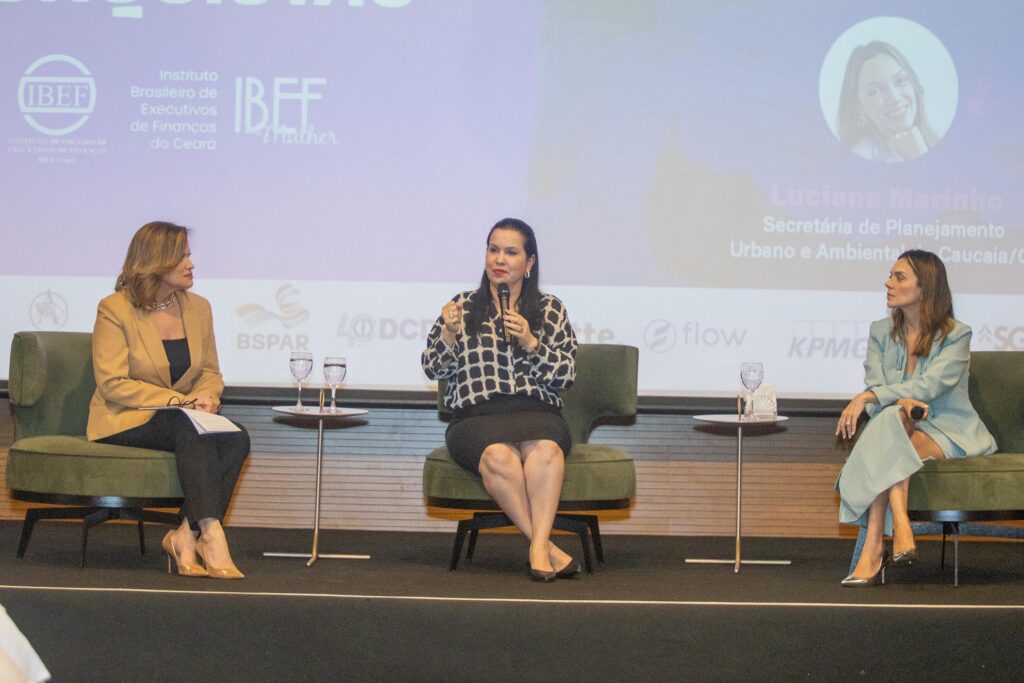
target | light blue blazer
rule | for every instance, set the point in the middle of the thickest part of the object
(940, 380)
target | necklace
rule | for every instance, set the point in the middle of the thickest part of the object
(159, 306)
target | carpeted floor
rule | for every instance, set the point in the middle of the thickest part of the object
(403, 616)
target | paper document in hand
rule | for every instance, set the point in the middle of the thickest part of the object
(209, 423)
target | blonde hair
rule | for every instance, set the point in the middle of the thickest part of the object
(155, 250)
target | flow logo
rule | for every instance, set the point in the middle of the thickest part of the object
(660, 336)
(56, 95)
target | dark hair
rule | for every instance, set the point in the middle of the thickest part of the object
(936, 302)
(156, 249)
(850, 124)
(529, 294)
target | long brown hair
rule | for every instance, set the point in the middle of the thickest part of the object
(155, 250)
(936, 302)
(851, 126)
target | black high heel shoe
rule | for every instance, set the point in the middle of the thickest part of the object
(571, 569)
(542, 576)
(873, 580)
(906, 557)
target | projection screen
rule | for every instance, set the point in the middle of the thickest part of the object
(702, 184)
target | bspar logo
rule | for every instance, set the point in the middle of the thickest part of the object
(48, 311)
(291, 314)
(56, 95)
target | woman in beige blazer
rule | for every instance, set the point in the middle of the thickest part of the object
(153, 345)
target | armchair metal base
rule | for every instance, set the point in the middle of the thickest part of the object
(950, 520)
(93, 511)
(584, 525)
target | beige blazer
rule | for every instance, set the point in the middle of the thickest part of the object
(131, 367)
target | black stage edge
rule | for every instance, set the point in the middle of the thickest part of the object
(403, 616)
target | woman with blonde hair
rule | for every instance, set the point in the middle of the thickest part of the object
(153, 346)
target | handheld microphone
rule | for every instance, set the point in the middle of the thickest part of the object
(916, 413)
(503, 302)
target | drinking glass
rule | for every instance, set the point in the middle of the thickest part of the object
(301, 364)
(335, 368)
(751, 375)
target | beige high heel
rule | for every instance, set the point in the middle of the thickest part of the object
(230, 572)
(183, 569)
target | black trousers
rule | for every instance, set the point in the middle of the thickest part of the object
(208, 464)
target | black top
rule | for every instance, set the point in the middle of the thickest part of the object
(178, 357)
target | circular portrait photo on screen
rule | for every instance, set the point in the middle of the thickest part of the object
(888, 89)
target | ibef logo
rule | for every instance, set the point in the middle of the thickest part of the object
(56, 95)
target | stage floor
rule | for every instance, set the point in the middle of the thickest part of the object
(403, 616)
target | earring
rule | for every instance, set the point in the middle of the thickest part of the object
(527, 275)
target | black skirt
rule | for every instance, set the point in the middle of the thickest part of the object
(503, 419)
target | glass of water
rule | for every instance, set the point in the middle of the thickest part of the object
(335, 368)
(301, 364)
(751, 374)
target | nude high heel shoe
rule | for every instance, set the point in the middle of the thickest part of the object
(230, 572)
(183, 569)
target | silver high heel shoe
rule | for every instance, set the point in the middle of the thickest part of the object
(873, 580)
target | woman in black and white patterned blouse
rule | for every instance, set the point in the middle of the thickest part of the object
(507, 424)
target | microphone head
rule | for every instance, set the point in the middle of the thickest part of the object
(503, 292)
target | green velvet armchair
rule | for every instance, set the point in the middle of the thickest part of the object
(596, 477)
(51, 461)
(981, 489)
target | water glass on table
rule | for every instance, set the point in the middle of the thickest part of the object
(301, 364)
(335, 368)
(751, 374)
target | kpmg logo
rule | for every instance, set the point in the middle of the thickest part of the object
(48, 311)
(56, 95)
(661, 336)
(828, 339)
(289, 315)
(999, 338)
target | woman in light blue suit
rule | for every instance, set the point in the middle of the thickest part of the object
(917, 358)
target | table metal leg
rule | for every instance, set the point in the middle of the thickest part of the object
(738, 561)
(739, 494)
(314, 554)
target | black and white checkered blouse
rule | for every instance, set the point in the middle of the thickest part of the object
(478, 368)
